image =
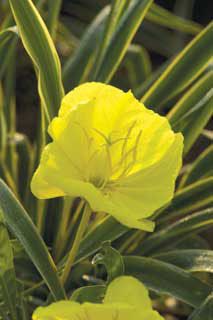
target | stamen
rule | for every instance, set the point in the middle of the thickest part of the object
(127, 137)
(102, 135)
(134, 150)
(136, 145)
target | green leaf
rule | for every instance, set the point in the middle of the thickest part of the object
(165, 278)
(108, 230)
(182, 71)
(111, 259)
(77, 67)
(188, 199)
(41, 49)
(193, 110)
(156, 38)
(7, 34)
(205, 311)
(22, 227)
(163, 17)
(8, 41)
(117, 9)
(121, 38)
(53, 15)
(141, 89)
(138, 64)
(191, 260)
(200, 168)
(7, 271)
(175, 232)
(25, 164)
(93, 294)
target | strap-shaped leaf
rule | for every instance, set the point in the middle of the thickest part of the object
(182, 71)
(166, 18)
(205, 311)
(53, 15)
(41, 49)
(175, 232)
(7, 271)
(188, 199)
(193, 110)
(190, 260)
(108, 230)
(79, 64)
(22, 227)
(121, 39)
(138, 64)
(117, 9)
(8, 40)
(8, 34)
(200, 168)
(168, 279)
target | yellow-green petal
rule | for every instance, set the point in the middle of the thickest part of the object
(63, 310)
(128, 290)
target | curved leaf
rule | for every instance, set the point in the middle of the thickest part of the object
(201, 167)
(188, 199)
(22, 227)
(181, 72)
(193, 110)
(7, 271)
(205, 311)
(41, 49)
(190, 259)
(80, 62)
(121, 39)
(168, 279)
(177, 231)
(161, 16)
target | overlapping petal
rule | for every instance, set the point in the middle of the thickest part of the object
(126, 298)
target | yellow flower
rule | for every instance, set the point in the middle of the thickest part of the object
(126, 298)
(112, 151)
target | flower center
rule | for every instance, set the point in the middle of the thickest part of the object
(116, 155)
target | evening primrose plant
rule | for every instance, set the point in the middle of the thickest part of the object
(111, 151)
(108, 194)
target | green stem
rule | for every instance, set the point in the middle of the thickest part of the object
(79, 235)
(62, 229)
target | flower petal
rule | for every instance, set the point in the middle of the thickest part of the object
(63, 310)
(130, 291)
(140, 194)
